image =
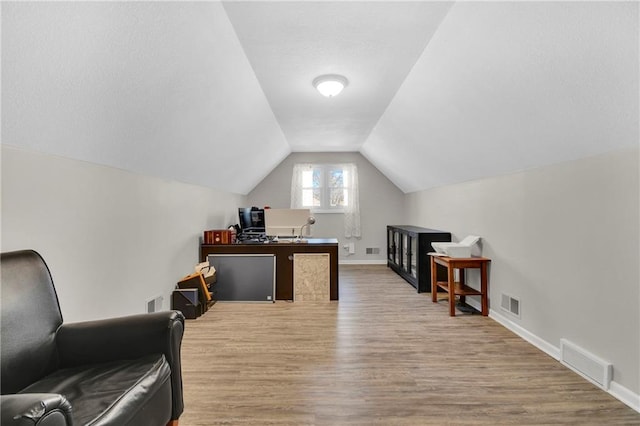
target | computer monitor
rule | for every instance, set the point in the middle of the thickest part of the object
(251, 219)
(287, 222)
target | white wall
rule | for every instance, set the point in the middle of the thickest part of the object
(564, 240)
(381, 203)
(112, 239)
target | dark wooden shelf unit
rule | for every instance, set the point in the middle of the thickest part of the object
(407, 248)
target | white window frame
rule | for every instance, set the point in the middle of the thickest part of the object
(351, 212)
(325, 189)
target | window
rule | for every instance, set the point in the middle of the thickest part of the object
(323, 188)
(328, 188)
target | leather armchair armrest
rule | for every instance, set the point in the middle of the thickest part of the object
(126, 337)
(46, 409)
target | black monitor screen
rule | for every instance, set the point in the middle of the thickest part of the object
(251, 219)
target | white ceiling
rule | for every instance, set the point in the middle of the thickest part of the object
(374, 45)
(218, 94)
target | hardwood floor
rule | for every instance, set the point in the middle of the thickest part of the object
(382, 355)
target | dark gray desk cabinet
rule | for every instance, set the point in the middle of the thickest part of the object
(407, 248)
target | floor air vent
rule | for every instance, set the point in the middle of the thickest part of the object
(585, 363)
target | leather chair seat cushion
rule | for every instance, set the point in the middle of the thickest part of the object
(112, 392)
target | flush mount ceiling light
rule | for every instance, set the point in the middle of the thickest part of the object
(330, 85)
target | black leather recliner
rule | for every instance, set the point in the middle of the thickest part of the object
(120, 371)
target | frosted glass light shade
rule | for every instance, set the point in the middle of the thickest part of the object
(330, 85)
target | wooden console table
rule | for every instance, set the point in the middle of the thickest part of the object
(459, 288)
(284, 253)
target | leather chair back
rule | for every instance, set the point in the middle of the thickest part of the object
(30, 318)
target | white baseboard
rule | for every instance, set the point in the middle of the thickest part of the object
(362, 262)
(543, 345)
(616, 390)
(625, 395)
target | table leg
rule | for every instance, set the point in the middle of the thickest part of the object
(452, 292)
(434, 280)
(483, 289)
(463, 298)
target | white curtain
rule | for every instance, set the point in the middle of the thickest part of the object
(352, 210)
(296, 184)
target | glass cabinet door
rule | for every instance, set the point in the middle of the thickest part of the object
(391, 249)
(413, 254)
(406, 244)
(397, 241)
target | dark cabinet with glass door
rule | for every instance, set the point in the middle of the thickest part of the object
(407, 248)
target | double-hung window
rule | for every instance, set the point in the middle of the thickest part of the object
(328, 188)
(323, 188)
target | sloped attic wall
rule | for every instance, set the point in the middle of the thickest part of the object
(158, 88)
(519, 123)
(90, 89)
(507, 86)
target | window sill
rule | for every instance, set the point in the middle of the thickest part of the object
(327, 211)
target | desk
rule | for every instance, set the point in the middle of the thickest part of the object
(284, 260)
(459, 288)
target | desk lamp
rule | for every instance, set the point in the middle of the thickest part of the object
(310, 221)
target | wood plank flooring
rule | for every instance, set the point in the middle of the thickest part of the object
(382, 355)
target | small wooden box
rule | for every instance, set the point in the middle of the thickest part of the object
(220, 236)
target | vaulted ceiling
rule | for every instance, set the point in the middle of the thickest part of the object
(374, 45)
(219, 93)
